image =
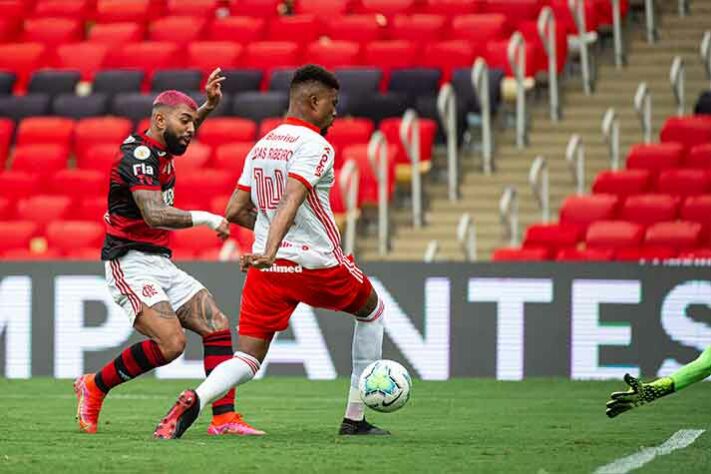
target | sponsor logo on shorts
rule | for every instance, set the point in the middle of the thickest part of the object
(284, 269)
(149, 291)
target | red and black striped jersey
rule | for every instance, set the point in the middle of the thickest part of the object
(142, 163)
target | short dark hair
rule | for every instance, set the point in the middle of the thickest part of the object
(314, 73)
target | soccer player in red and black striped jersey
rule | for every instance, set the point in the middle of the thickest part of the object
(159, 298)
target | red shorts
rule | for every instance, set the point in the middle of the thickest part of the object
(270, 297)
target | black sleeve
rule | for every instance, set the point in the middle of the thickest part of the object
(139, 168)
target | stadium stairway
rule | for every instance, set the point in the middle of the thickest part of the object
(582, 114)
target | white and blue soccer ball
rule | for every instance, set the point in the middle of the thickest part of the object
(385, 386)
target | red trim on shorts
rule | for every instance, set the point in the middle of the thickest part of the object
(242, 187)
(302, 180)
(124, 289)
(302, 123)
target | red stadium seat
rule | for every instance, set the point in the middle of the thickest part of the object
(10, 29)
(359, 28)
(22, 59)
(43, 160)
(98, 158)
(515, 9)
(552, 236)
(143, 125)
(147, 56)
(452, 8)
(87, 58)
(7, 128)
(646, 209)
(519, 255)
(100, 131)
(581, 211)
(564, 18)
(46, 131)
(181, 30)
(614, 235)
(529, 30)
(260, 8)
(240, 29)
(16, 235)
(387, 7)
(116, 34)
(67, 236)
(20, 255)
(197, 156)
(84, 254)
(428, 128)
(389, 55)
(195, 239)
(496, 55)
(481, 28)
(679, 235)
(43, 208)
(349, 131)
(690, 130)
(218, 204)
(622, 183)
(221, 130)
(183, 255)
(195, 190)
(204, 8)
(18, 184)
(418, 28)
(79, 183)
(79, 9)
(655, 157)
(207, 55)
(91, 209)
(657, 252)
(112, 11)
(333, 54)
(603, 9)
(53, 31)
(702, 253)
(267, 55)
(584, 255)
(269, 124)
(230, 158)
(7, 209)
(368, 188)
(698, 209)
(447, 56)
(322, 8)
(684, 182)
(699, 157)
(285, 28)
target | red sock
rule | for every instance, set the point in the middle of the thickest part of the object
(218, 348)
(132, 362)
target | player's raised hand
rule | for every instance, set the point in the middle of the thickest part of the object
(213, 88)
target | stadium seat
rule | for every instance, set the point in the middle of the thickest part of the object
(147, 56)
(181, 30)
(552, 237)
(333, 54)
(564, 17)
(67, 236)
(259, 8)
(519, 254)
(349, 131)
(378, 107)
(197, 156)
(22, 59)
(604, 13)
(689, 131)
(361, 29)
(238, 29)
(230, 158)
(78, 107)
(53, 31)
(448, 55)
(219, 131)
(78, 9)
(98, 158)
(269, 124)
(390, 55)
(496, 55)
(204, 8)
(112, 82)
(100, 131)
(285, 28)
(78, 184)
(115, 34)
(27, 255)
(20, 107)
(529, 30)
(223, 108)
(195, 190)
(518, 9)
(583, 255)
(701, 253)
(679, 235)
(208, 55)
(268, 55)
(16, 235)
(132, 105)
(699, 157)
(322, 8)
(415, 83)
(7, 209)
(195, 239)
(241, 80)
(260, 105)
(391, 129)
(466, 95)
(42, 208)
(451, 8)
(657, 252)
(682, 182)
(43, 160)
(646, 209)
(53, 82)
(178, 79)
(10, 27)
(143, 125)
(698, 209)
(45, 131)
(622, 183)
(614, 235)
(387, 7)
(280, 79)
(417, 28)
(90, 209)
(86, 58)
(7, 82)
(368, 186)
(581, 211)
(481, 28)
(112, 11)
(18, 184)
(655, 157)
(358, 82)
(7, 130)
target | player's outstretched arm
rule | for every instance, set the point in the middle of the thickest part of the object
(213, 91)
(240, 210)
(157, 213)
(639, 393)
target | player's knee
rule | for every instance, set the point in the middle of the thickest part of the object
(173, 347)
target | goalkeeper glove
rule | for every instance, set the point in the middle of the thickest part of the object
(639, 393)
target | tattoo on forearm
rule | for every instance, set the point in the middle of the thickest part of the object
(157, 213)
(202, 114)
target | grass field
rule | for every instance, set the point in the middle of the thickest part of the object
(465, 425)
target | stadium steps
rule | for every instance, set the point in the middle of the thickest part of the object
(582, 114)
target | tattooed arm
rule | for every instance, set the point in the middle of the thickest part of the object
(240, 209)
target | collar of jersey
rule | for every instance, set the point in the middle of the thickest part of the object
(301, 123)
(151, 141)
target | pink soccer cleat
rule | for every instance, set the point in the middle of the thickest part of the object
(89, 402)
(233, 425)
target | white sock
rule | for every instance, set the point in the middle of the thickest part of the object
(367, 348)
(238, 370)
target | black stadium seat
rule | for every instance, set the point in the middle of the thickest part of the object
(260, 105)
(78, 107)
(178, 79)
(223, 109)
(115, 81)
(414, 83)
(7, 81)
(132, 105)
(53, 82)
(19, 107)
(241, 80)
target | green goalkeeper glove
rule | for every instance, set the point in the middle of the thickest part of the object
(639, 393)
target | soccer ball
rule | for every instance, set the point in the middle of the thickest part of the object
(385, 386)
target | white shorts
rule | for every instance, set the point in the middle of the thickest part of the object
(147, 278)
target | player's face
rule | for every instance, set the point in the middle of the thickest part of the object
(325, 109)
(179, 129)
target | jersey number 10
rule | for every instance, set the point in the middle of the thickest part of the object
(269, 189)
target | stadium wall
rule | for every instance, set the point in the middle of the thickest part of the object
(509, 321)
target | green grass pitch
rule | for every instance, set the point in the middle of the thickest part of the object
(464, 425)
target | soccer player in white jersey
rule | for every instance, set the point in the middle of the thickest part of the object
(297, 257)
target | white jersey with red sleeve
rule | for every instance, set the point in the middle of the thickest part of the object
(295, 149)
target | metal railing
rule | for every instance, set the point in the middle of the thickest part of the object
(651, 21)
(480, 82)
(378, 159)
(350, 182)
(643, 107)
(508, 213)
(447, 108)
(611, 136)
(684, 8)
(517, 60)
(620, 54)
(410, 138)
(539, 181)
(577, 8)
(575, 156)
(677, 77)
(547, 32)
(706, 53)
(466, 236)
(431, 251)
